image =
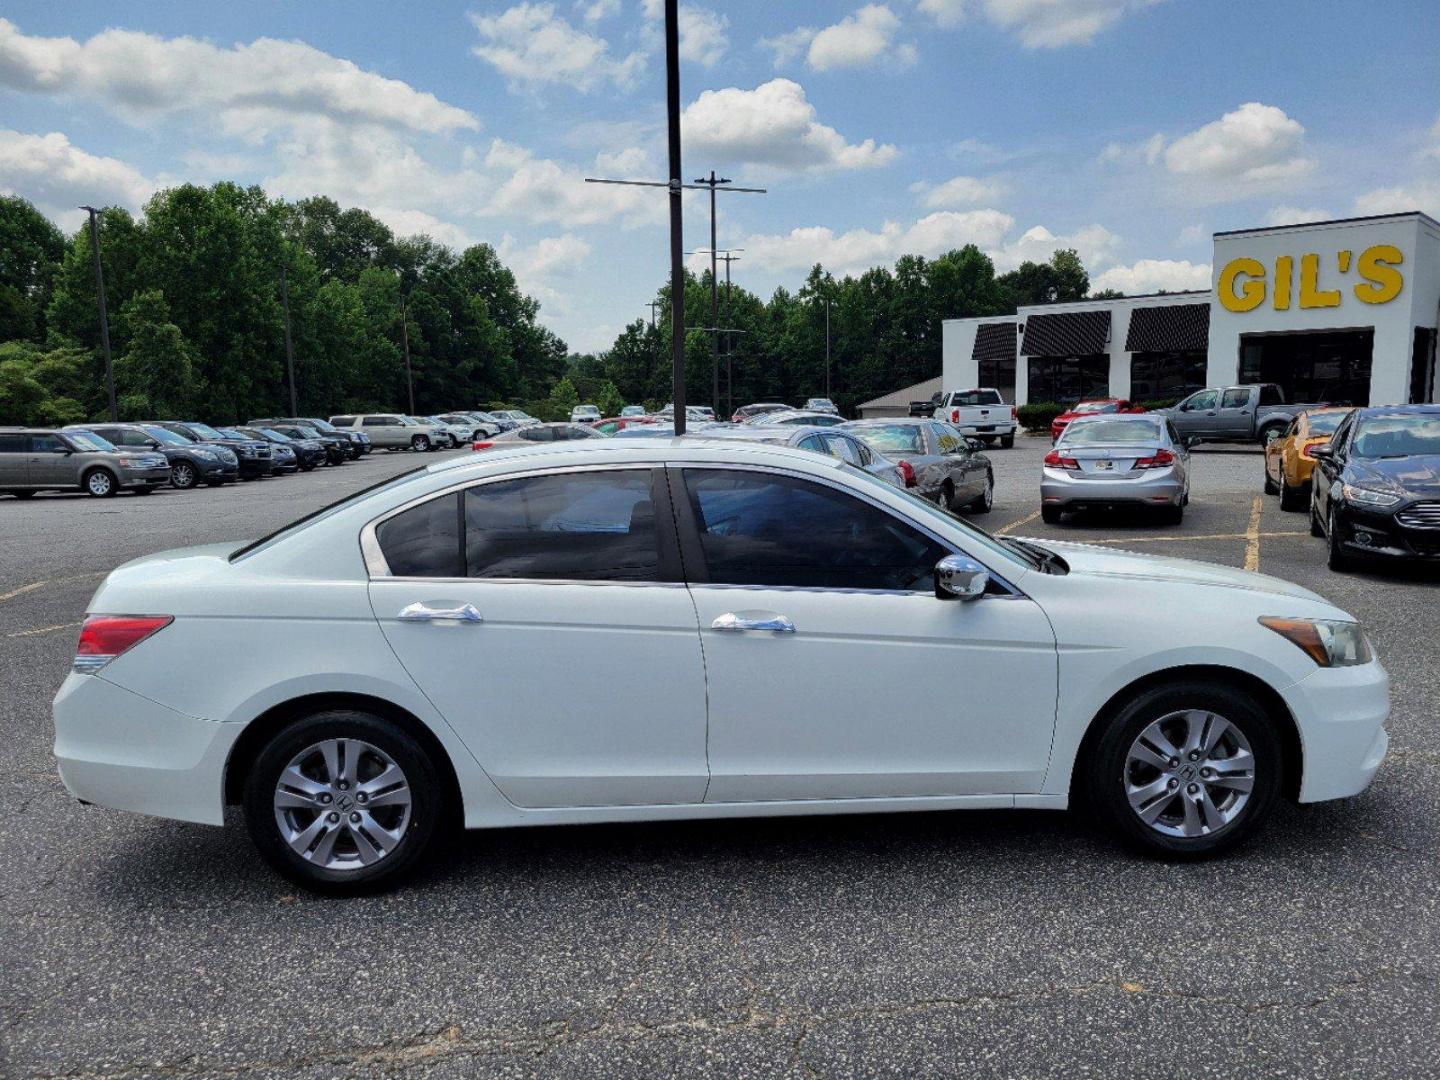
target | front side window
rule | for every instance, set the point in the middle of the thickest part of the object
(948, 440)
(772, 530)
(1206, 399)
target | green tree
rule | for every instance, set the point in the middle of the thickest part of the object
(30, 252)
(155, 375)
(562, 399)
(608, 399)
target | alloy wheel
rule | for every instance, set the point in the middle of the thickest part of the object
(99, 483)
(343, 804)
(183, 475)
(1189, 774)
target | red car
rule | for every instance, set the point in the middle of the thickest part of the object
(1089, 408)
(612, 424)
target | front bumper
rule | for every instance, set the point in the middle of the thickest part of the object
(1341, 714)
(1159, 487)
(217, 469)
(117, 749)
(131, 478)
(1378, 533)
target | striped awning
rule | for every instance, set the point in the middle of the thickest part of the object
(1068, 333)
(1169, 327)
(995, 341)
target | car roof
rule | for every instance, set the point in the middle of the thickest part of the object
(1367, 412)
(890, 421)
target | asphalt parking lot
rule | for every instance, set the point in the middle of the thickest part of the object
(978, 944)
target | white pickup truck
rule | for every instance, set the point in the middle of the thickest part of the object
(980, 413)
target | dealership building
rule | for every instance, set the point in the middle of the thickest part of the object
(1338, 311)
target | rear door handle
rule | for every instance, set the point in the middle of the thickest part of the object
(732, 621)
(422, 612)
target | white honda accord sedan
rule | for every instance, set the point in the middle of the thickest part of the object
(459, 645)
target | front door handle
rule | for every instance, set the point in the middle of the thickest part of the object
(422, 612)
(733, 621)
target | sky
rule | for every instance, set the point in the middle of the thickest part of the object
(1130, 130)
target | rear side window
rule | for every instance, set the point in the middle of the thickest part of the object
(844, 449)
(12, 444)
(425, 541)
(768, 529)
(1270, 395)
(376, 421)
(582, 526)
(1236, 399)
(343, 421)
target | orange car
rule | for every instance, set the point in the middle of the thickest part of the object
(1288, 462)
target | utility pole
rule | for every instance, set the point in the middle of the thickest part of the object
(289, 348)
(104, 318)
(405, 343)
(827, 346)
(728, 258)
(712, 183)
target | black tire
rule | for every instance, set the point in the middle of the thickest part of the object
(1050, 515)
(23, 494)
(1336, 557)
(307, 466)
(215, 483)
(421, 773)
(1007, 441)
(420, 443)
(100, 483)
(1270, 433)
(1270, 488)
(144, 490)
(947, 497)
(1291, 498)
(184, 476)
(1172, 515)
(986, 499)
(1101, 777)
(1316, 529)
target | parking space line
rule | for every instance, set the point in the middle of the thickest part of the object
(1182, 539)
(20, 591)
(1252, 536)
(43, 630)
(1017, 524)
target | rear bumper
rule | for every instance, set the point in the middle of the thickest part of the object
(1059, 488)
(1341, 714)
(117, 749)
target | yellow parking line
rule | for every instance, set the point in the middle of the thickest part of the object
(43, 630)
(1252, 536)
(20, 591)
(1179, 539)
(998, 532)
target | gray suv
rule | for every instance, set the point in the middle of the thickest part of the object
(43, 459)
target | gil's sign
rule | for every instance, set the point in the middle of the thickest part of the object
(1244, 286)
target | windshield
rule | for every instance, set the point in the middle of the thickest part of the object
(321, 425)
(165, 436)
(231, 433)
(1108, 432)
(891, 438)
(88, 440)
(1095, 407)
(1324, 423)
(206, 432)
(273, 436)
(1398, 436)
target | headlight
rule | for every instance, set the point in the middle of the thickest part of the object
(203, 454)
(1329, 642)
(131, 462)
(1369, 497)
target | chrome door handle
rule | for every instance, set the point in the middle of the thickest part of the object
(421, 612)
(731, 621)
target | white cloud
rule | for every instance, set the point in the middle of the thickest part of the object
(537, 266)
(1039, 24)
(960, 191)
(406, 222)
(546, 191)
(252, 89)
(1093, 243)
(530, 45)
(58, 176)
(789, 45)
(593, 11)
(1295, 215)
(1257, 147)
(703, 37)
(859, 40)
(1154, 275)
(1424, 196)
(772, 125)
(1193, 234)
(629, 162)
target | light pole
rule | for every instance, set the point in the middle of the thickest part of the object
(405, 344)
(827, 347)
(104, 318)
(289, 348)
(728, 258)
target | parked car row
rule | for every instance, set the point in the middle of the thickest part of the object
(1369, 477)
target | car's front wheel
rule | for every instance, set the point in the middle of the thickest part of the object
(184, 476)
(1185, 770)
(420, 443)
(1337, 559)
(100, 483)
(986, 499)
(343, 802)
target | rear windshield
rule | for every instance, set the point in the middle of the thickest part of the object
(976, 397)
(892, 438)
(1324, 423)
(1096, 407)
(1109, 432)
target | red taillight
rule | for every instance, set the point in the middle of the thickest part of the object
(954, 416)
(1056, 460)
(482, 445)
(104, 637)
(1014, 413)
(907, 473)
(1159, 460)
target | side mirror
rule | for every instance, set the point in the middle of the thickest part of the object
(1322, 453)
(1191, 441)
(960, 578)
(154, 444)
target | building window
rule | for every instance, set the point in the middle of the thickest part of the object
(1422, 366)
(1001, 375)
(1063, 379)
(1331, 367)
(1161, 376)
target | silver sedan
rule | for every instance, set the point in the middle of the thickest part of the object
(1108, 461)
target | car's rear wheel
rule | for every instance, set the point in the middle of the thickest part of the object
(1007, 441)
(343, 802)
(23, 494)
(1270, 488)
(1185, 770)
(1291, 498)
(1050, 515)
(100, 483)
(183, 476)
(1172, 515)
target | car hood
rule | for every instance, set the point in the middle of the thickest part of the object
(1417, 475)
(1105, 562)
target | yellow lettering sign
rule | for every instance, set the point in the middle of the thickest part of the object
(1283, 267)
(1252, 291)
(1382, 281)
(1311, 295)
